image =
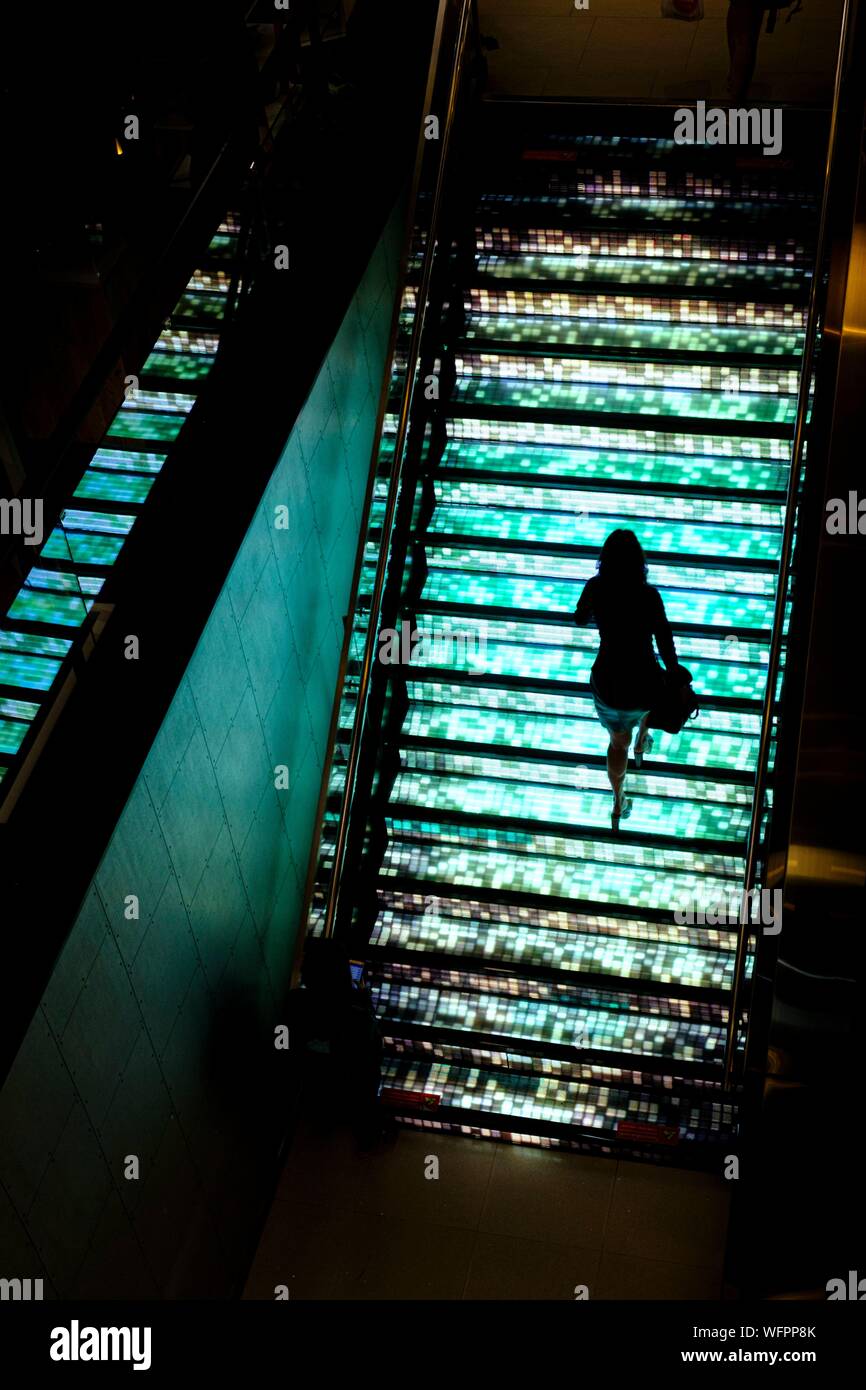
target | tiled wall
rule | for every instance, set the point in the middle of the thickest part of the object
(154, 1038)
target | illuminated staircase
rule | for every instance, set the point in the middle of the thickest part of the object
(46, 626)
(627, 356)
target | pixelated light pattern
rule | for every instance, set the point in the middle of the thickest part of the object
(71, 566)
(628, 356)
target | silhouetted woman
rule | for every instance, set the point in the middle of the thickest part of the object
(626, 678)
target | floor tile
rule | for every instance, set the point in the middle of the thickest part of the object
(507, 1267)
(626, 1277)
(668, 1214)
(561, 1198)
(411, 1260)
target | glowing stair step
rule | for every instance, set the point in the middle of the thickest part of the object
(533, 779)
(534, 327)
(544, 865)
(614, 468)
(29, 661)
(582, 810)
(506, 1100)
(488, 933)
(730, 450)
(623, 309)
(181, 353)
(563, 568)
(505, 493)
(636, 213)
(484, 588)
(703, 407)
(548, 370)
(540, 1014)
(711, 277)
(151, 415)
(632, 174)
(653, 244)
(574, 732)
(449, 645)
(474, 518)
(104, 486)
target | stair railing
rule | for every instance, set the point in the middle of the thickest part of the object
(754, 840)
(431, 246)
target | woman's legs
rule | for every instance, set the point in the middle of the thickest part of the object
(641, 732)
(617, 761)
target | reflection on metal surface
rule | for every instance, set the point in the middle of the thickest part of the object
(854, 314)
(819, 865)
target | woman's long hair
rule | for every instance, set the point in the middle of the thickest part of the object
(622, 563)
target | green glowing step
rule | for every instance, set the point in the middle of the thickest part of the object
(88, 537)
(206, 307)
(82, 547)
(63, 582)
(634, 211)
(498, 943)
(685, 405)
(50, 608)
(29, 672)
(12, 735)
(445, 691)
(684, 274)
(525, 922)
(127, 461)
(550, 369)
(141, 424)
(640, 1034)
(634, 308)
(645, 337)
(579, 734)
(693, 608)
(625, 466)
(573, 664)
(519, 776)
(657, 881)
(573, 568)
(181, 366)
(553, 1099)
(579, 528)
(588, 808)
(575, 501)
(25, 710)
(651, 243)
(562, 655)
(547, 433)
(223, 245)
(114, 487)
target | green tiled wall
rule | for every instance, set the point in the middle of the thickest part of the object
(153, 1034)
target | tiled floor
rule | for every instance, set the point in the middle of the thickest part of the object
(499, 1222)
(621, 49)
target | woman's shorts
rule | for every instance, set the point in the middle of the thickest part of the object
(616, 721)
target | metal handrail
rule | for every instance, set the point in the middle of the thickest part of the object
(775, 653)
(406, 403)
